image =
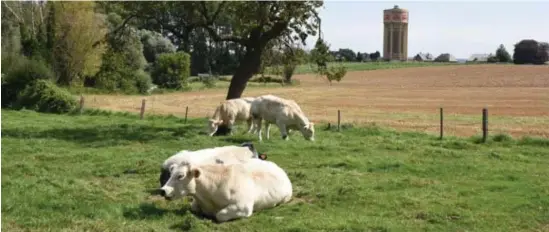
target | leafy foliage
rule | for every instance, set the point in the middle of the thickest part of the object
(502, 55)
(154, 44)
(76, 28)
(492, 59)
(375, 56)
(248, 25)
(321, 56)
(172, 70)
(18, 72)
(336, 73)
(530, 51)
(45, 96)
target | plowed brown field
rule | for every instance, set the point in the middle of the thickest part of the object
(517, 98)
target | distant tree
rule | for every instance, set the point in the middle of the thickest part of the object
(502, 55)
(320, 55)
(375, 56)
(365, 57)
(76, 29)
(542, 55)
(528, 52)
(347, 54)
(359, 57)
(154, 44)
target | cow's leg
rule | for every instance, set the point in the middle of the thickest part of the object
(250, 125)
(282, 128)
(230, 125)
(258, 129)
(234, 211)
(268, 127)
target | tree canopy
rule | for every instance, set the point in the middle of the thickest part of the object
(248, 26)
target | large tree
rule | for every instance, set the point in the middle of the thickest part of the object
(249, 24)
(253, 25)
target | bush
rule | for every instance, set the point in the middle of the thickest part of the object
(336, 73)
(172, 70)
(288, 72)
(492, 59)
(45, 96)
(143, 81)
(116, 75)
(209, 81)
(19, 73)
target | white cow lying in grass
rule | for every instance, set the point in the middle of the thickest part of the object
(286, 114)
(217, 155)
(232, 191)
(231, 111)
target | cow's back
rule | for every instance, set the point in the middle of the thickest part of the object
(237, 108)
(272, 185)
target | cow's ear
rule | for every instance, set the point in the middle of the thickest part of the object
(195, 172)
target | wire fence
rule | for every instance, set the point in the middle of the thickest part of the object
(441, 122)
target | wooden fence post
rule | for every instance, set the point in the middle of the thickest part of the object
(142, 109)
(441, 123)
(81, 104)
(338, 120)
(186, 112)
(484, 124)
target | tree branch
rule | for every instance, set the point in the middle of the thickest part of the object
(207, 25)
(217, 38)
(13, 12)
(115, 31)
(275, 31)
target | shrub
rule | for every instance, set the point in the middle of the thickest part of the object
(209, 81)
(19, 73)
(492, 59)
(172, 70)
(288, 72)
(336, 73)
(116, 75)
(45, 96)
(143, 81)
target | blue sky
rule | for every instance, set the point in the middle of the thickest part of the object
(460, 28)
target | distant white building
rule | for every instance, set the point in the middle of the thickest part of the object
(423, 57)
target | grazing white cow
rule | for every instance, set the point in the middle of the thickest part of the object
(286, 114)
(232, 191)
(230, 111)
(217, 155)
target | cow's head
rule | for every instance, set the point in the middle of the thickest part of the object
(181, 183)
(308, 131)
(213, 124)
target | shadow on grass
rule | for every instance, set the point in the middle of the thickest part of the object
(110, 135)
(149, 211)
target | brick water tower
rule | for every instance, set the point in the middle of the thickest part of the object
(395, 34)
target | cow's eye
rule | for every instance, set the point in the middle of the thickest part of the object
(180, 177)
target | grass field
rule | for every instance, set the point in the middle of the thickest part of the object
(94, 173)
(517, 98)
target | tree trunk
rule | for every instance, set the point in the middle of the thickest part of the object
(247, 67)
